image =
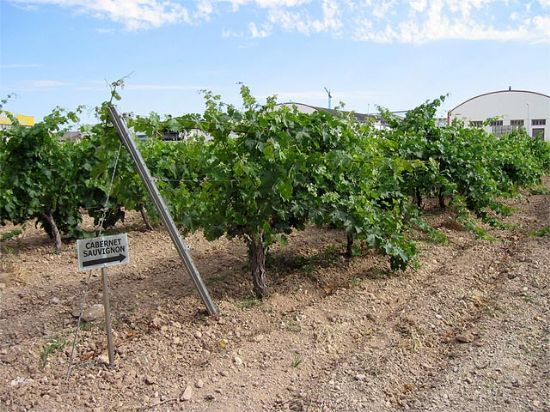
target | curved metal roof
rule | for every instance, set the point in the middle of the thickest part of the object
(499, 91)
(361, 117)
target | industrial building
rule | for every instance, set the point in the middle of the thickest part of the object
(502, 111)
(24, 120)
(375, 119)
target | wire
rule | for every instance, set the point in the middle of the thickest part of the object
(101, 221)
(84, 292)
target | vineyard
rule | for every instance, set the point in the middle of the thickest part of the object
(354, 268)
(263, 171)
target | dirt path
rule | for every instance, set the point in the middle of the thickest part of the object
(467, 331)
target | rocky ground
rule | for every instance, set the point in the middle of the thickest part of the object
(467, 331)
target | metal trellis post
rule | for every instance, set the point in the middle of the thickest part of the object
(166, 217)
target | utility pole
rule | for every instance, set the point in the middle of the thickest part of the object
(329, 98)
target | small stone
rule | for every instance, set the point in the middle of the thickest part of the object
(55, 301)
(198, 334)
(199, 384)
(512, 275)
(187, 393)
(157, 322)
(224, 373)
(465, 337)
(2, 286)
(93, 313)
(238, 361)
(17, 381)
(103, 359)
(438, 316)
(360, 377)
(258, 338)
(536, 403)
(210, 397)
(149, 380)
(177, 340)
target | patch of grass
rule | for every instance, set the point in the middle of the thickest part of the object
(248, 302)
(510, 226)
(297, 361)
(7, 249)
(434, 235)
(85, 325)
(10, 235)
(543, 231)
(539, 190)
(54, 345)
(438, 237)
(481, 233)
(528, 298)
(355, 281)
(293, 325)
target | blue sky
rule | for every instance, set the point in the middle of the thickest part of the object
(367, 52)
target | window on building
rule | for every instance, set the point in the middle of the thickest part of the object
(516, 123)
(501, 130)
(476, 123)
(496, 123)
(538, 122)
(538, 132)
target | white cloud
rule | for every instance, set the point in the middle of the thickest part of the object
(542, 23)
(454, 20)
(418, 5)
(255, 32)
(302, 22)
(47, 84)
(132, 14)
(383, 21)
(236, 4)
(227, 34)
(103, 30)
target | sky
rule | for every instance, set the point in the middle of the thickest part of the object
(392, 53)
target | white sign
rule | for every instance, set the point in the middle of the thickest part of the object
(102, 252)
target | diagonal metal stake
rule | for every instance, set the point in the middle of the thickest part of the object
(166, 217)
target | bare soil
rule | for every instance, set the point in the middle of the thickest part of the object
(467, 331)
